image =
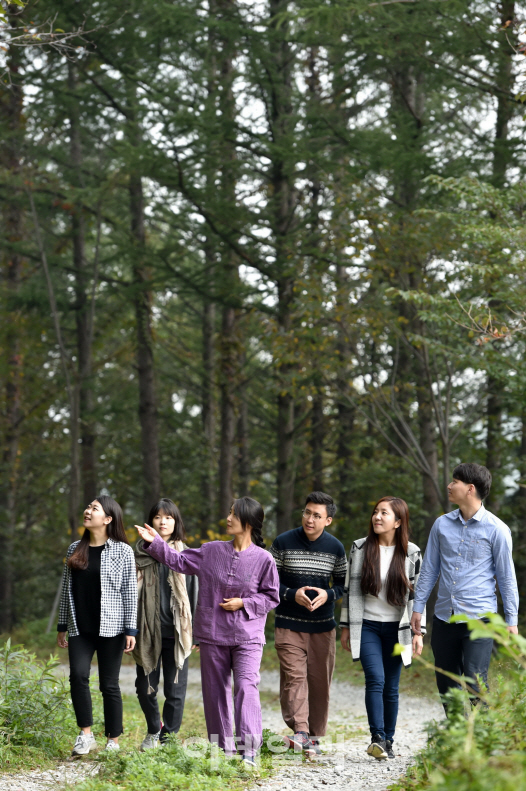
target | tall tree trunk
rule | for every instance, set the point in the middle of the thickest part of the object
(408, 114)
(229, 283)
(83, 307)
(228, 377)
(428, 443)
(208, 393)
(317, 435)
(12, 127)
(345, 409)
(502, 158)
(208, 417)
(143, 316)
(317, 440)
(283, 199)
(243, 437)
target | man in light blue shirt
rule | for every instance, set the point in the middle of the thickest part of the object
(468, 549)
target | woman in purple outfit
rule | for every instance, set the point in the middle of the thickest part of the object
(238, 586)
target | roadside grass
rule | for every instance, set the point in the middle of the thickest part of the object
(170, 767)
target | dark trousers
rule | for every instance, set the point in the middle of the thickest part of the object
(109, 656)
(382, 675)
(455, 652)
(174, 693)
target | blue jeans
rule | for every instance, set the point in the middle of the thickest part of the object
(382, 676)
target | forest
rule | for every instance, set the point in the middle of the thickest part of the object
(256, 247)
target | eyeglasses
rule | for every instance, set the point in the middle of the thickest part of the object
(316, 517)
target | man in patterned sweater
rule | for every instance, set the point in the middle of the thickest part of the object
(307, 558)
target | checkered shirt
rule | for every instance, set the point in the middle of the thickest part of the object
(118, 603)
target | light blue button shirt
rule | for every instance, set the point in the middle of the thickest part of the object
(468, 557)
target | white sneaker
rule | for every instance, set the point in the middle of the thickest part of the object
(249, 763)
(112, 746)
(150, 741)
(84, 743)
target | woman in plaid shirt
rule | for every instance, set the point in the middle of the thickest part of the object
(98, 610)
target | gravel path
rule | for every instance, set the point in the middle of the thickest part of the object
(345, 766)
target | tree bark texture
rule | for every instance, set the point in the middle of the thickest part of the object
(208, 419)
(345, 409)
(282, 203)
(11, 124)
(243, 438)
(408, 109)
(143, 316)
(229, 279)
(83, 308)
(317, 440)
(502, 158)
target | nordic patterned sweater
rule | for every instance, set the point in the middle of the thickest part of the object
(303, 562)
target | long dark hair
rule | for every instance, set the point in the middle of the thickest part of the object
(80, 557)
(251, 514)
(396, 584)
(169, 508)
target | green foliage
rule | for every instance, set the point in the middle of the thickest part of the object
(485, 750)
(192, 764)
(35, 708)
(387, 211)
(32, 635)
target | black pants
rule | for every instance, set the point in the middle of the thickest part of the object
(109, 655)
(455, 652)
(174, 693)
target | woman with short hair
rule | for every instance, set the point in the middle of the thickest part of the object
(377, 606)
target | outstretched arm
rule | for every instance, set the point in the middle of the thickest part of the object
(187, 562)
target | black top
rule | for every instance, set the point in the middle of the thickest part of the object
(165, 594)
(300, 562)
(86, 588)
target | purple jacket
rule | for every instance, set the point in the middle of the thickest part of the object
(224, 573)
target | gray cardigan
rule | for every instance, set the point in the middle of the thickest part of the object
(353, 599)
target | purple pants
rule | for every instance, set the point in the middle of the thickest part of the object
(217, 664)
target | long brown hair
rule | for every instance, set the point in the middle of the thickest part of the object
(396, 584)
(80, 557)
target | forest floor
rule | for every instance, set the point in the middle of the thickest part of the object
(345, 765)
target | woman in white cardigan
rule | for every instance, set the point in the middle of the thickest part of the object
(376, 614)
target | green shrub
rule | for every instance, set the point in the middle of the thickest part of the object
(35, 707)
(32, 635)
(172, 767)
(485, 750)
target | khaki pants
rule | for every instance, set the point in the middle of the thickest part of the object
(306, 668)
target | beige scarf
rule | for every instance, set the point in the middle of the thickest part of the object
(182, 614)
(149, 641)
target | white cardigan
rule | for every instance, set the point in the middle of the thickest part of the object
(353, 600)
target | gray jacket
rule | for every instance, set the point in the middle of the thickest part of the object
(353, 599)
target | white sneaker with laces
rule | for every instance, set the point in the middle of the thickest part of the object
(112, 746)
(84, 743)
(150, 741)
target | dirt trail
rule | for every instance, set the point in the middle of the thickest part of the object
(347, 767)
